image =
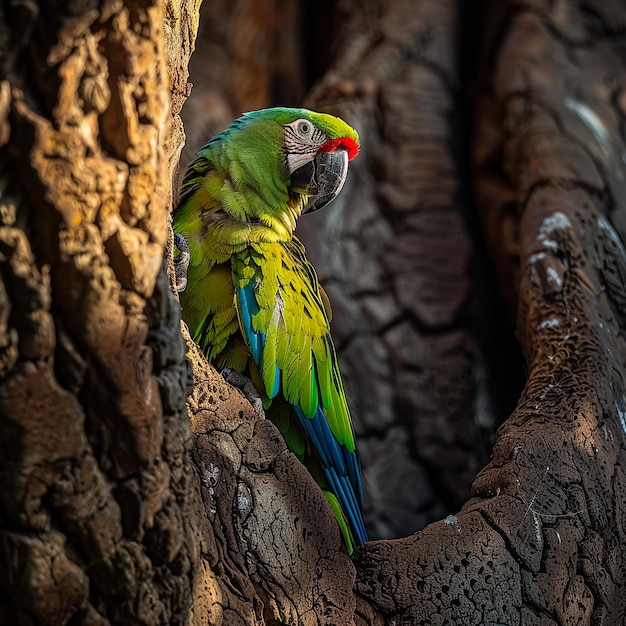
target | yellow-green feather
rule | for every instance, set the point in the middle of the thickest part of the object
(298, 343)
(238, 218)
(348, 537)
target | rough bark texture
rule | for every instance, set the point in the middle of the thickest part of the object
(96, 496)
(114, 510)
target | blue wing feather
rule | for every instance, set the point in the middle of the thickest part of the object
(339, 465)
(248, 307)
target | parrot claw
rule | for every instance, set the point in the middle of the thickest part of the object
(181, 262)
(246, 386)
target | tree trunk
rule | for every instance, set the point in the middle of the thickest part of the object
(114, 510)
(98, 502)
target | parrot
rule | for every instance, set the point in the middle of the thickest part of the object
(252, 300)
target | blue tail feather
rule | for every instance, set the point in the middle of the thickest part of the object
(340, 468)
(346, 495)
(323, 440)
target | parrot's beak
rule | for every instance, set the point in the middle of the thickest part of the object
(321, 179)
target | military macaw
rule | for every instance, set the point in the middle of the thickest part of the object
(253, 302)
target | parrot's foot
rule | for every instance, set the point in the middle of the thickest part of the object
(246, 386)
(181, 263)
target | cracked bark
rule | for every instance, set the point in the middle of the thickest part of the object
(97, 502)
(114, 510)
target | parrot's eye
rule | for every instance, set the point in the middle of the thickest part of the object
(304, 128)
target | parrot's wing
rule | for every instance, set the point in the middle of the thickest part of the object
(285, 324)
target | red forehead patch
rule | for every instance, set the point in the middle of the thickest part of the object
(342, 143)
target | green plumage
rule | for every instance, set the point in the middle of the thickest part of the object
(253, 302)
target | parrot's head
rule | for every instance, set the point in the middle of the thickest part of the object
(317, 150)
(265, 169)
(314, 150)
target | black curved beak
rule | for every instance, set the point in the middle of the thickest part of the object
(321, 179)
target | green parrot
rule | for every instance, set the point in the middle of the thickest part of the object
(252, 299)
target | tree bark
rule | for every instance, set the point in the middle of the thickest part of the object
(97, 501)
(118, 504)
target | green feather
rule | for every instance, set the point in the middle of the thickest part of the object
(348, 537)
(238, 215)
